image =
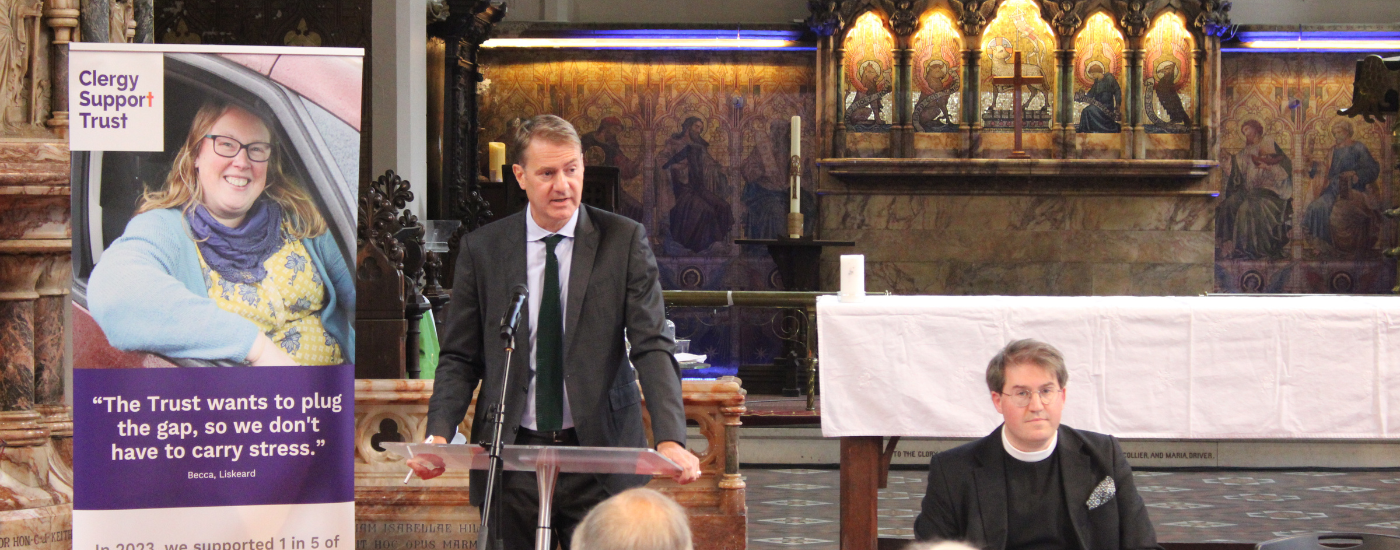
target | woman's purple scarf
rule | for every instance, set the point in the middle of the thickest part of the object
(238, 253)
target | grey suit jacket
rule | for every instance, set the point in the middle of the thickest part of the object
(613, 285)
(966, 498)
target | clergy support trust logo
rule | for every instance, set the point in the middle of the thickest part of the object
(124, 96)
(116, 99)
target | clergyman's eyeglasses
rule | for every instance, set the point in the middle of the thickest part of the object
(1022, 398)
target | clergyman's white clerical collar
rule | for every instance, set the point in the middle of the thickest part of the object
(1023, 456)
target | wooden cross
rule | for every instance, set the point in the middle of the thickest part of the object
(1016, 82)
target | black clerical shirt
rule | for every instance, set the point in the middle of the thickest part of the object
(1036, 516)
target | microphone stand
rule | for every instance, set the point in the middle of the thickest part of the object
(490, 522)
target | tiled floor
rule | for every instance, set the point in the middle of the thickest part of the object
(800, 507)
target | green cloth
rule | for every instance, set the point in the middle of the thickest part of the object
(427, 346)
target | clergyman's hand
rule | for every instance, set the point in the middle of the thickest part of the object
(689, 463)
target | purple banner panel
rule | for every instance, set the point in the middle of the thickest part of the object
(184, 437)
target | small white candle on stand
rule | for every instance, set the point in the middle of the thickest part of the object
(852, 277)
(497, 155)
(795, 194)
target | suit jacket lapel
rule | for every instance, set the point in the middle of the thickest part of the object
(1077, 475)
(990, 480)
(580, 272)
(499, 300)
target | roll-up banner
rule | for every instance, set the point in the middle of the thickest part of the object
(214, 193)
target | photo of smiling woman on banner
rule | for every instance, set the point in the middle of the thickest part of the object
(233, 259)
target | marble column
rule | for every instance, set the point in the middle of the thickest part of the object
(902, 145)
(62, 17)
(53, 285)
(1064, 108)
(96, 20)
(19, 276)
(145, 21)
(971, 126)
(1136, 109)
(838, 139)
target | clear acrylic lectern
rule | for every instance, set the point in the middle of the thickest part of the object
(547, 462)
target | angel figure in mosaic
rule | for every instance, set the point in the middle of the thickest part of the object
(1163, 86)
(866, 106)
(932, 109)
(1105, 97)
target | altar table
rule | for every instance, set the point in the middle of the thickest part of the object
(1210, 367)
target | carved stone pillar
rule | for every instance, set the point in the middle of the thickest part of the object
(62, 17)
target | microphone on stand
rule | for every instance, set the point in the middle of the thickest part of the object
(518, 295)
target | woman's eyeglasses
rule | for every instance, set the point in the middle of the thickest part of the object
(228, 147)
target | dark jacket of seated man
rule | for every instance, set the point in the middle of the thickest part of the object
(967, 497)
(1034, 484)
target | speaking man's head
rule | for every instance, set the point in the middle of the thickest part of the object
(549, 167)
(1027, 380)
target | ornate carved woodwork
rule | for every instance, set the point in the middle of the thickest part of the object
(468, 24)
(339, 23)
(396, 410)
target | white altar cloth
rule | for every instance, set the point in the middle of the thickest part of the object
(1209, 367)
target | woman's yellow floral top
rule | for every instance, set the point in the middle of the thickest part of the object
(286, 304)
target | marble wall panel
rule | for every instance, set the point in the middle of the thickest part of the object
(943, 145)
(1100, 146)
(998, 145)
(1168, 146)
(1024, 245)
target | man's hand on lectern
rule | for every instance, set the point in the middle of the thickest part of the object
(690, 465)
(428, 466)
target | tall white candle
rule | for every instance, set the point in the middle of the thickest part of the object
(852, 277)
(795, 193)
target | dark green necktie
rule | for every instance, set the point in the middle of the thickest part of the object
(549, 346)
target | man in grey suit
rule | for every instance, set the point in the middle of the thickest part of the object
(1034, 484)
(592, 280)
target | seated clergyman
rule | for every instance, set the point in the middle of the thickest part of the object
(1033, 484)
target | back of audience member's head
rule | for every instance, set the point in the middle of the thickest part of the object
(940, 545)
(635, 519)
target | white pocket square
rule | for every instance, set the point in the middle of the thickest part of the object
(1103, 493)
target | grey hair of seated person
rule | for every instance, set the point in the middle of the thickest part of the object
(635, 519)
(940, 545)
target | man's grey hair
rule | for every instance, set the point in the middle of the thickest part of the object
(544, 127)
(1026, 351)
(635, 519)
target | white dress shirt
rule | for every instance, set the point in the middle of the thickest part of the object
(535, 250)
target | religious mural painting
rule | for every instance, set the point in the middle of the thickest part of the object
(1018, 27)
(1304, 187)
(1098, 77)
(701, 143)
(1169, 86)
(868, 99)
(937, 70)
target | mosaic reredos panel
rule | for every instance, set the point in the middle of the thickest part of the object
(1304, 187)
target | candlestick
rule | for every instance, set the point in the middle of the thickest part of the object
(795, 169)
(498, 160)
